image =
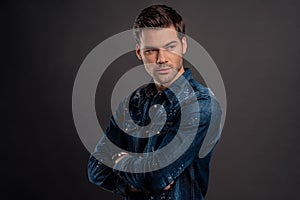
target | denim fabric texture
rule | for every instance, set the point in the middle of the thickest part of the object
(190, 172)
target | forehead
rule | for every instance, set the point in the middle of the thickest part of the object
(158, 37)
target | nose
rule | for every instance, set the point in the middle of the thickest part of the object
(161, 57)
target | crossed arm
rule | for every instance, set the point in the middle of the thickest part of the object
(120, 181)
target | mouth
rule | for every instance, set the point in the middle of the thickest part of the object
(163, 70)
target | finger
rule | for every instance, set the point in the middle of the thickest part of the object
(168, 187)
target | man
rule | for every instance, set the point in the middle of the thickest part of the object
(170, 139)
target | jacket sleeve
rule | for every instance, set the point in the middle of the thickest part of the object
(101, 174)
(104, 177)
(154, 181)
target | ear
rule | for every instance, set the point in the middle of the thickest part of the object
(138, 51)
(184, 45)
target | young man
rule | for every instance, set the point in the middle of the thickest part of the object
(173, 161)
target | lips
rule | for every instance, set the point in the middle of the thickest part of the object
(163, 70)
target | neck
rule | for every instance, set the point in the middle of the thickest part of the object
(160, 87)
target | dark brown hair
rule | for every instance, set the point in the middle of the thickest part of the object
(158, 16)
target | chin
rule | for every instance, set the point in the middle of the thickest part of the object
(164, 82)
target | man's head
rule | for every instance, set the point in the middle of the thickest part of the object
(159, 31)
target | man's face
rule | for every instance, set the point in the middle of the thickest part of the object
(161, 52)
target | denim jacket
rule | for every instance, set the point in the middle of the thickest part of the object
(188, 170)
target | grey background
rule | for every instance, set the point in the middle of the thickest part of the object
(254, 43)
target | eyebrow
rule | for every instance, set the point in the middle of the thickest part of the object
(152, 47)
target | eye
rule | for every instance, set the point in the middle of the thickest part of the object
(171, 47)
(149, 51)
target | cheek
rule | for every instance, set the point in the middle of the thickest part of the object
(149, 59)
(175, 56)
(149, 70)
(176, 59)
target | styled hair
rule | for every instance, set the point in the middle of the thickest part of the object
(158, 16)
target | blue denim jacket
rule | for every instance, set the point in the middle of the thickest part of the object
(190, 169)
